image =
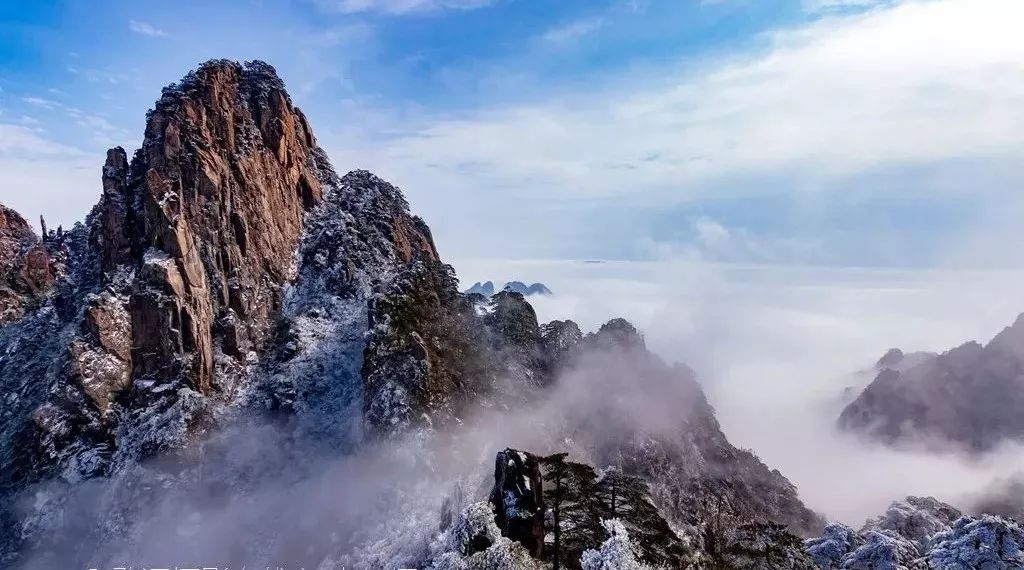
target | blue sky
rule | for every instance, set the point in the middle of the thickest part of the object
(835, 132)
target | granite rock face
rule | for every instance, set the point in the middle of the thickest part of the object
(653, 420)
(208, 215)
(192, 283)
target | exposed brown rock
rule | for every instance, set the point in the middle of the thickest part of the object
(101, 358)
(26, 266)
(412, 238)
(211, 214)
(113, 233)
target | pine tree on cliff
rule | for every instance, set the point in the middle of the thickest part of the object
(627, 498)
(575, 524)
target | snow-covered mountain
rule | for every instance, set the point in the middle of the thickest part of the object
(241, 357)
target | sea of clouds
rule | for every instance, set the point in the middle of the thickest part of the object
(776, 347)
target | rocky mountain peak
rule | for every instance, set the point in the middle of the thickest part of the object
(209, 213)
(379, 202)
(617, 333)
(890, 359)
(175, 289)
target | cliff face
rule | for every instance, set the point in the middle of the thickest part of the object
(969, 397)
(208, 215)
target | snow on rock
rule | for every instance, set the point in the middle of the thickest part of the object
(920, 533)
(831, 549)
(916, 519)
(474, 542)
(984, 543)
(897, 540)
(884, 550)
(616, 553)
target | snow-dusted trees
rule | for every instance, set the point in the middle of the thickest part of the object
(474, 542)
(627, 498)
(617, 553)
(766, 546)
(574, 521)
(831, 549)
(920, 533)
(983, 543)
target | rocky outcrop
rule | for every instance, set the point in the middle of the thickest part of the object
(194, 283)
(968, 397)
(831, 549)
(424, 362)
(209, 215)
(518, 499)
(27, 269)
(982, 543)
(474, 542)
(917, 519)
(559, 341)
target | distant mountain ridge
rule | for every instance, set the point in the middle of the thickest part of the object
(488, 289)
(969, 397)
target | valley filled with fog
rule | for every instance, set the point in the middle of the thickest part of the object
(776, 349)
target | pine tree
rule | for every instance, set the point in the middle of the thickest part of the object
(627, 498)
(570, 491)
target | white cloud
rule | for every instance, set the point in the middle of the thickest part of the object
(146, 29)
(42, 176)
(573, 31)
(103, 130)
(41, 102)
(400, 7)
(824, 6)
(915, 83)
(711, 234)
(775, 347)
(22, 140)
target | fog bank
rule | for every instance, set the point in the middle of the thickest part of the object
(775, 347)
